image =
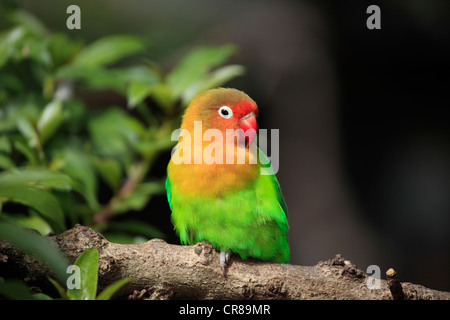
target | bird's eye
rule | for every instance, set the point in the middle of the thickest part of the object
(226, 112)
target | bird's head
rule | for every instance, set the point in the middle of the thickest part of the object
(222, 109)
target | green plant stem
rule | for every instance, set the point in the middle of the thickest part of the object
(136, 175)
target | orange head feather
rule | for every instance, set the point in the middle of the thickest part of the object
(221, 109)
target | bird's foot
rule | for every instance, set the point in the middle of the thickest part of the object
(225, 259)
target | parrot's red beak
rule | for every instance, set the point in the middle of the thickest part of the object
(247, 123)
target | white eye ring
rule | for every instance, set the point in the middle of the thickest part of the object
(225, 112)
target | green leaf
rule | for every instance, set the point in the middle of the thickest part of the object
(41, 296)
(110, 171)
(211, 80)
(37, 246)
(29, 21)
(31, 221)
(162, 94)
(25, 42)
(5, 145)
(27, 129)
(37, 50)
(39, 199)
(76, 112)
(88, 263)
(29, 153)
(78, 166)
(117, 78)
(27, 187)
(62, 48)
(51, 118)
(16, 110)
(112, 289)
(9, 43)
(6, 162)
(137, 92)
(59, 288)
(140, 196)
(114, 132)
(196, 64)
(15, 290)
(42, 178)
(109, 50)
(150, 148)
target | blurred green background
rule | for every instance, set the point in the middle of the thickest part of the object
(86, 117)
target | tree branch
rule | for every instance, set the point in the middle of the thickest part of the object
(168, 271)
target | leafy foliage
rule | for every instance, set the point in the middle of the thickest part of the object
(59, 152)
(87, 263)
(37, 246)
(83, 286)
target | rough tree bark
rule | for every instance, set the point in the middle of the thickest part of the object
(168, 271)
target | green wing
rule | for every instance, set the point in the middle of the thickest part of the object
(273, 179)
(272, 216)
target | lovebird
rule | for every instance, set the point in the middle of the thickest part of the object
(231, 205)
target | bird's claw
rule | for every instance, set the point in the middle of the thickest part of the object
(225, 259)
